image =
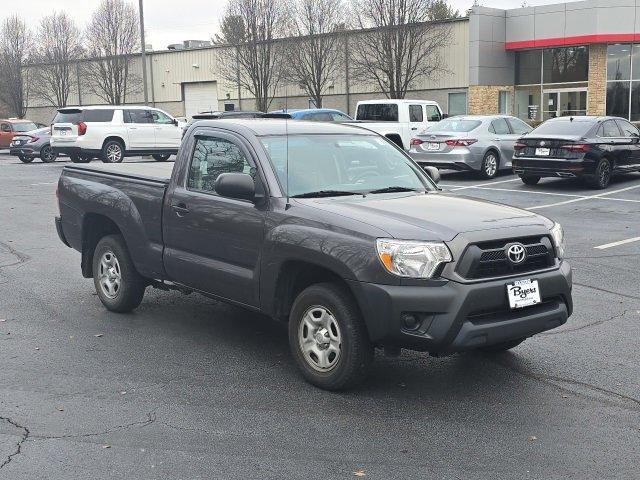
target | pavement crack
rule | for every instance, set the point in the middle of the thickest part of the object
(588, 325)
(633, 297)
(20, 257)
(24, 437)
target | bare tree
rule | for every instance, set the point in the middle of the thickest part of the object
(15, 50)
(58, 47)
(399, 47)
(256, 60)
(112, 36)
(315, 56)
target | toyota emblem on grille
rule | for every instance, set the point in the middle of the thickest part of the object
(516, 253)
(542, 144)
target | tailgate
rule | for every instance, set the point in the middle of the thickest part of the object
(64, 132)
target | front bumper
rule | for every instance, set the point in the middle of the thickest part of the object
(460, 316)
(453, 160)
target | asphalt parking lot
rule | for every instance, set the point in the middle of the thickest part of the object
(188, 388)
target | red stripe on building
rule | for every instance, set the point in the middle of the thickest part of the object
(577, 40)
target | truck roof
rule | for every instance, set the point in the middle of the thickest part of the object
(262, 127)
(397, 101)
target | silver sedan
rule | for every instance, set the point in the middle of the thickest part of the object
(482, 143)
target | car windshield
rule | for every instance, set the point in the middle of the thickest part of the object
(327, 165)
(24, 127)
(454, 125)
(562, 127)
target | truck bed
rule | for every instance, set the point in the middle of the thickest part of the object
(149, 171)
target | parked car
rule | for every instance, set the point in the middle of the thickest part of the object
(480, 143)
(328, 227)
(398, 120)
(35, 143)
(316, 115)
(112, 133)
(11, 127)
(590, 148)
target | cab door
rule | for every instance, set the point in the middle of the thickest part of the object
(502, 137)
(140, 129)
(416, 119)
(167, 133)
(6, 134)
(632, 144)
(214, 243)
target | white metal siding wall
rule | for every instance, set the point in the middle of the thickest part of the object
(200, 97)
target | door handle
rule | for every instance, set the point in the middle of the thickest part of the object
(180, 209)
(414, 128)
(497, 139)
(133, 128)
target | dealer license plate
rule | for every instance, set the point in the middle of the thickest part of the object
(543, 152)
(523, 293)
(433, 146)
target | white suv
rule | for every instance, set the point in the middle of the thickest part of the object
(114, 132)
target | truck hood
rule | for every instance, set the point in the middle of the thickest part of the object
(432, 216)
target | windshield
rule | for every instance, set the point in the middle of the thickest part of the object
(24, 127)
(454, 125)
(341, 163)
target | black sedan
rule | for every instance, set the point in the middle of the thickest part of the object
(591, 148)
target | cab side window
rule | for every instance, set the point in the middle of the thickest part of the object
(415, 113)
(213, 156)
(5, 127)
(433, 114)
(500, 127)
(138, 116)
(518, 126)
(161, 118)
(608, 129)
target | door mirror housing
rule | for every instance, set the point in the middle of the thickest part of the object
(174, 121)
(444, 115)
(236, 185)
(433, 173)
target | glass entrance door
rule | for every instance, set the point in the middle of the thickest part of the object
(565, 102)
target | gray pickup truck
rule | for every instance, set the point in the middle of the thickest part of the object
(331, 228)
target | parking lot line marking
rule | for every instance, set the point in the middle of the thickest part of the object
(615, 244)
(600, 195)
(531, 191)
(488, 184)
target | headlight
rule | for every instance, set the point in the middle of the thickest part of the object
(413, 259)
(557, 234)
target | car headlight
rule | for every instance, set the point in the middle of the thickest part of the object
(557, 234)
(414, 259)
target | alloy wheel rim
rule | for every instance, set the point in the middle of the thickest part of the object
(491, 165)
(110, 274)
(47, 153)
(320, 339)
(114, 153)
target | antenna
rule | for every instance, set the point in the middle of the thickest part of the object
(286, 136)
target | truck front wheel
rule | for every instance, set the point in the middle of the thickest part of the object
(328, 337)
(119, 285)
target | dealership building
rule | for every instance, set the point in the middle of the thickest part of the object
(572, 58)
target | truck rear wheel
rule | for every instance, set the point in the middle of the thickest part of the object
(328, 337)
(119, 285)
(161, 157)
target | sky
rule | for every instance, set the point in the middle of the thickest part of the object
(172, 21)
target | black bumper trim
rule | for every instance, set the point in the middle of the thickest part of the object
(61, 236)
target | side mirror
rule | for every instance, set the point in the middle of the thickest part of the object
(236, 185)
(434, 173)
(444, 115)
(175, 122)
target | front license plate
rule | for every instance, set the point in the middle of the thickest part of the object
(523, 293)
(543, 152)
(433, 146)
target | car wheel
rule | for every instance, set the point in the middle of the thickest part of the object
(530, 179)
(602, 177)
(490, 163)
(25, 159)
(161, 157)
(502, 347)
(79, 158)
(119, 285)
(328, 337)
(47, 155)
(112, 152)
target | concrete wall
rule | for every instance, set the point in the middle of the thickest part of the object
(489, 62)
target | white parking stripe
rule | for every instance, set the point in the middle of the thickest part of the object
(582, 198)
(531, 191)
(615, 244)
(487, 184)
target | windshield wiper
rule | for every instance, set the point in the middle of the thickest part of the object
(394, 189)
(325, 193)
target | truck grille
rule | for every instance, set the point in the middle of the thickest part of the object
(489, 259)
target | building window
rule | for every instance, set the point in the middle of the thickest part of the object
(623, 81)
(503, 103)
(565, 65)
(457, 103)
(619, 62)
(528, 67)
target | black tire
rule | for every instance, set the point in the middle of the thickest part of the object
(502, 347)
(161, 157)
(355, 349)
(131, 284)
(47, 155)
(25, 159)
(602, 177)
(490, 165)
(79, 158)
(112, 152)
(530, 179)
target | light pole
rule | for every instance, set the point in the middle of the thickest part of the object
(144, 53)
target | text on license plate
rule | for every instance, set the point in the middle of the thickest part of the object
(540, 152)
(523, 293)
(433, 146)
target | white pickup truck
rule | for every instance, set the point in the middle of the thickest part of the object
(398, 120)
